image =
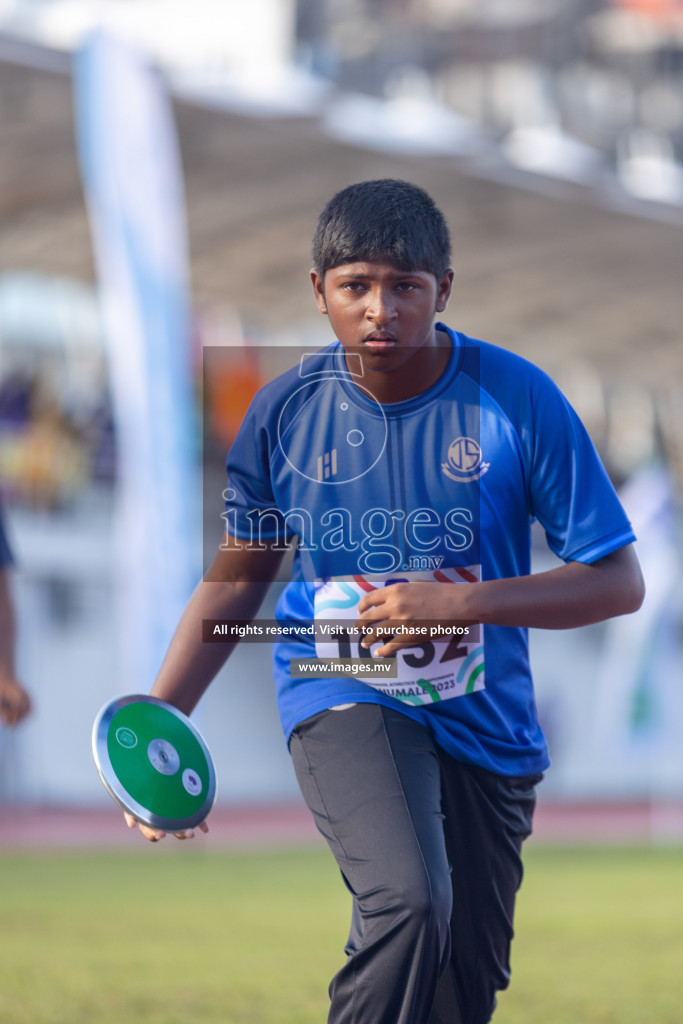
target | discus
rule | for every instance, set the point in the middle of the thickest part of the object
(154, 762)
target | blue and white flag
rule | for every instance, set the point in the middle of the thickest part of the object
(133, 185)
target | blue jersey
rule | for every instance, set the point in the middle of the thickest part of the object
(441, 487)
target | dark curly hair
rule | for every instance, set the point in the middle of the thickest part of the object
(382, 221)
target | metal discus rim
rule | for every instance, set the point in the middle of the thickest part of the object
(116, 789)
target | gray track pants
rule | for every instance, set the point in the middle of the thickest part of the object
(430, 851)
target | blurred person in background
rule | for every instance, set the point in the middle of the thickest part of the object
(15, 703)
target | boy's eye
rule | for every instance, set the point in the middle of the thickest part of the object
(359, 286)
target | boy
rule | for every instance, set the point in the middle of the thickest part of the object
(409, 461)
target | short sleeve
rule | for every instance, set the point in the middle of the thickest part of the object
(250, 507)
(570, 492)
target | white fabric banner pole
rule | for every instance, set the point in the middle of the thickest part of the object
(638, 710)
(133, 185)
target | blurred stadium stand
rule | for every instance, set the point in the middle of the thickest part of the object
(570, 271)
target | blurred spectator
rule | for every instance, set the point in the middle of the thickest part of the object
(47, 454)
(15, 398)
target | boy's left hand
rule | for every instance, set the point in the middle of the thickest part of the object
(412, 606)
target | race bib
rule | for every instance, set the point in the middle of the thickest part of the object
(447, 663)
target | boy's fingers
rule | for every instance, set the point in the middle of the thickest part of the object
(188, 833)
(372, 617)
(391, 646)
(153, 835)
(367, 601)
(370, 636)
(374, 598)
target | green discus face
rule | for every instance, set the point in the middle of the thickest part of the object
(154, 762)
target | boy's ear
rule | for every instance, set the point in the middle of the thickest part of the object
(443, 293)
(318, 290)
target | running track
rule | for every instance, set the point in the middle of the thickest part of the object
(290, 825)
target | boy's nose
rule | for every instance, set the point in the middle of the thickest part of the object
(381, 306)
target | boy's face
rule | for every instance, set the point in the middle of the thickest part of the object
(387, 316)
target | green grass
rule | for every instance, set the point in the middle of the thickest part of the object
(599, 939)
(186, 936)
(173, 938)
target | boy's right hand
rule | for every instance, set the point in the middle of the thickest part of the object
(155, 834)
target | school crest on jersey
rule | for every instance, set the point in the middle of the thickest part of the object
(464, 460)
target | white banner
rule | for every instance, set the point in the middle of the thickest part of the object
(638, 711)
(133, 185)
